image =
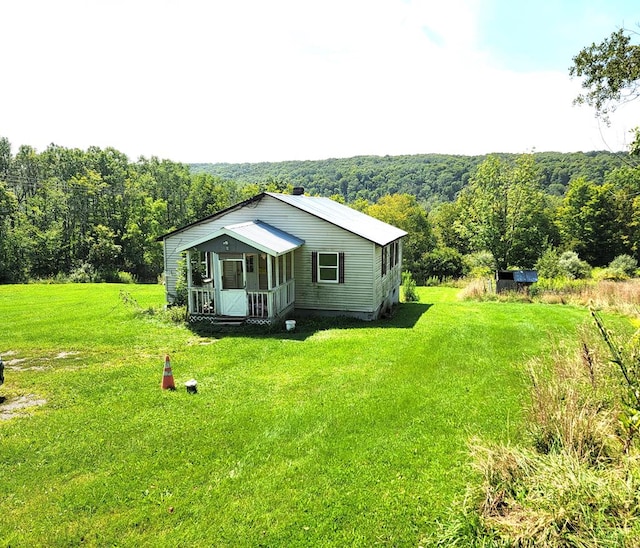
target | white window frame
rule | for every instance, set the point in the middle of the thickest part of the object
(335, 268)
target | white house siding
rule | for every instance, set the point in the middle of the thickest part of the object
(386, 288)
(355, 295)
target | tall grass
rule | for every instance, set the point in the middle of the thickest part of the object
(619, 296)
(576, 482)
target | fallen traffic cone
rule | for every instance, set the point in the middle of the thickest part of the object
(167, 375)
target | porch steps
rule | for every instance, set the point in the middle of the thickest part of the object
(228, 320)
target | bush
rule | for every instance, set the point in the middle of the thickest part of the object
(548, 266)
(409, 288)
(84, 274)
(625, 265)
(125, 277)
(573, 267)
(443, 263)
(479, 265)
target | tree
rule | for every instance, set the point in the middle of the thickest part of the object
(505, 212)
(611, 76)
(403, 211)
(589, 223)
(208, 195)
(104, 252)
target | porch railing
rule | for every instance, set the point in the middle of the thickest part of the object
(202, 301)
(260, 304)
(267, 304)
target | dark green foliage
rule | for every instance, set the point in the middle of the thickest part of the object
(431, 178)
(62, 208)
(548, 266)
(442, 263)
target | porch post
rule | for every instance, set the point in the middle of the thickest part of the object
(269, 277)
(189, 294)
(278, 261)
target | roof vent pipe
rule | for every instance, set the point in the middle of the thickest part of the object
(298, 191)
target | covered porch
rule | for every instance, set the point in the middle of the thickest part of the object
(241, 272)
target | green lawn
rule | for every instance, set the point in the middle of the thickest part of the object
(354, 435)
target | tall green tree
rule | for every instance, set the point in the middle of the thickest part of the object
(589, 222)
(208, 195)
(404, 211)
(505, 212)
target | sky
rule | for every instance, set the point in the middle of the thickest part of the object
(272, 80)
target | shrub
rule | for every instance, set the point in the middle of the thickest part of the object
(573, 267)
(480, 265)
(443, 263)
(625, 265)
(410, 294)
(125, 277)
(84, 274)
(548, 266)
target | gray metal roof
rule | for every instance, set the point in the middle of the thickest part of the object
(525, 276)
(345, 217)
(258, 234)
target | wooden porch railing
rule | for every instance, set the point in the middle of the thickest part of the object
(202, 301)
(267, 304)
(261, 304)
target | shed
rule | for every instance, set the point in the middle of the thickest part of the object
(515, 280)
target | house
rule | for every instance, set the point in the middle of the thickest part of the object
(515, 280)
(278, 255)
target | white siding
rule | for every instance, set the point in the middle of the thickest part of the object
(362, 291)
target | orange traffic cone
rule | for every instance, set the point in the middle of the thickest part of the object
(167, 375)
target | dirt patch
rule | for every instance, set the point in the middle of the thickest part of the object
(10, 408)
(16, 364)
(63, 355)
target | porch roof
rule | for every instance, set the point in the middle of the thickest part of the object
(258, 234)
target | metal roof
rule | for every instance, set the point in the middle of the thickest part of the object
(343, 216)
(258, 234)
(525, 276)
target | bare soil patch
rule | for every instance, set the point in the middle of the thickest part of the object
(13, 407)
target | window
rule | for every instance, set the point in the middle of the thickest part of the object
(395, 253)
(390, 256)
(327, 267)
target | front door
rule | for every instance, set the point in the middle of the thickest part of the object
(233, 297)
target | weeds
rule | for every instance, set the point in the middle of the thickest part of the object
(577, 481)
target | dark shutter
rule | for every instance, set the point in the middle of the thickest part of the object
(341, 268)
(314, 266)
(384, 260)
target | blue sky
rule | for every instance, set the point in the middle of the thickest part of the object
(256, 80)
(545, 35)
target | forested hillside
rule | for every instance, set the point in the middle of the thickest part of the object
(431, 178)
(94, 215)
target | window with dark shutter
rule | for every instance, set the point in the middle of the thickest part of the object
(327, 267)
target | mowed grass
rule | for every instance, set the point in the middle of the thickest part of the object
(353, 435)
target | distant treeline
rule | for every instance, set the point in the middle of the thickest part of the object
(91, 215)
(431, 178)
